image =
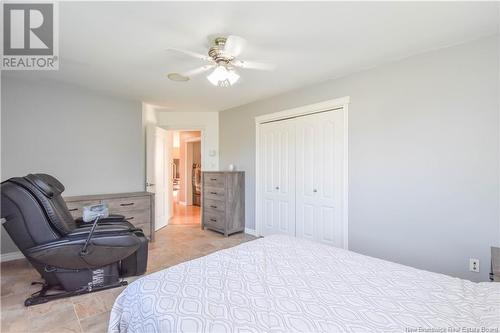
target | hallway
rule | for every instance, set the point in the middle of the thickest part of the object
(185, 215)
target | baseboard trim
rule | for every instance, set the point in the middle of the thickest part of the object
(11, 256)
(250, 232)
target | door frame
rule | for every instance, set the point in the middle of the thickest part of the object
(204, 156)
(333, 104)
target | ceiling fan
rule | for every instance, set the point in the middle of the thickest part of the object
(222, 61)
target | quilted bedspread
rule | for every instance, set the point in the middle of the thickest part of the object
(285, 284)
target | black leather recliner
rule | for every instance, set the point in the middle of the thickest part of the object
(71, 256)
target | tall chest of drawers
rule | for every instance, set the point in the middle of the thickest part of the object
(137, 207)
(223, 201)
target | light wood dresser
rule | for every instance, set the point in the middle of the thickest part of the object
(223, 201)
(137, 207)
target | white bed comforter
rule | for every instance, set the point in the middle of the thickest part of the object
(285, 284)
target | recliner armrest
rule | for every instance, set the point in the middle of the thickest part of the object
(111, 218)
(84, 230)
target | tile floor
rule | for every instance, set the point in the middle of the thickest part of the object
(90, 313)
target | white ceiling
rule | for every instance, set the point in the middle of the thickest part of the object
(119, 47)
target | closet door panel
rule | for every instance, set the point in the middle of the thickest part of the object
(267, 160)
(278, 168)
(307, 230)
(318, 177)
(327, 223)
(284, 219)
(339, 176)
(308, 159)
(306, 176)
(327, 186)
(285, 154)
(268, 214)
(267, 169)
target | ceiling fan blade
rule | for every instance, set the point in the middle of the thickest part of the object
(197, 71)
(253, 65)
(192, 54)
(234, 46)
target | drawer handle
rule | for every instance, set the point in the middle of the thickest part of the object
(213, 206)
(127, 204)
(129, 218)
(72, 210)
(213, 220)
(213, 192)
(214, 179)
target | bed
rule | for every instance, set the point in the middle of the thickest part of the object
(284, 284)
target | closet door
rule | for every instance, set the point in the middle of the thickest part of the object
(319, 177)
(277, 158)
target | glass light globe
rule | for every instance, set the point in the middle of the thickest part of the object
(223, 77)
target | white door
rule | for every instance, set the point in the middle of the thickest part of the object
(319, 177)
(158, 172)
(277, 141)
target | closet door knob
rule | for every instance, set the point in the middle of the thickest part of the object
(315, 190)
(277, 187)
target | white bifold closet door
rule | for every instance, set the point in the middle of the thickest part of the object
(278, 173)
(319, 177)
(301, 163)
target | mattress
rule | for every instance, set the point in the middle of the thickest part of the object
(284, 284)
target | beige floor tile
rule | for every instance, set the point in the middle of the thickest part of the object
(69, 327)
(109, 298)
(89, 305)
(95, 324)
(13, 301)
(46, 317)
(15, 320)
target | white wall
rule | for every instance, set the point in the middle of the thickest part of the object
(91, 142)
(207, 122)
(423, 156)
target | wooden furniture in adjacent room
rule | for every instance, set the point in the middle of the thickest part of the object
(223, 201)
(137, 207)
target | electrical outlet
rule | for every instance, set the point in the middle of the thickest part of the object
(474, 265)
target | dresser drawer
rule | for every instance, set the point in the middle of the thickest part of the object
(214, 219)
(122, 205)
(215, 205)
(76, 207)
(212, 179)
(213, 193)
(137, 217)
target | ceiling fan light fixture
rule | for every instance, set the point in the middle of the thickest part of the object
(223, 77)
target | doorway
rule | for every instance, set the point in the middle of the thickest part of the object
(186, 177)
